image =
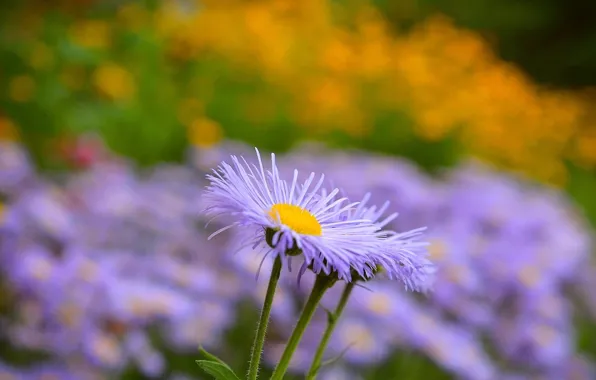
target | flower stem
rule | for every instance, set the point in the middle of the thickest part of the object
(331, 323)
(322, 283)
(257, 347)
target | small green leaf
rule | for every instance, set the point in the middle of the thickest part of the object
(211, 357)
(220, 371)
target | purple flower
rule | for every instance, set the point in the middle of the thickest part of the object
(104, 349)
(202, 325)
(141, 300)
(149, 360)
(95, 262)
(15, 168)
(401, 256)
(362, 342)
(292, 219)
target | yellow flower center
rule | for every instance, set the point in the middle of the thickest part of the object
(297, 218)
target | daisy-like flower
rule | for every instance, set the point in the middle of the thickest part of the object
(293, 218)
(401, 256)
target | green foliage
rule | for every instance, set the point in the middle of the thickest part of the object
(219, 371)
(216, 367)
(582, 187)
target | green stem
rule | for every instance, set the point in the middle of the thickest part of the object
(322, 283)
(259, 342)
(331, 323)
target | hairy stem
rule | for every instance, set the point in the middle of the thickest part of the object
(259, 342)
(321, 285)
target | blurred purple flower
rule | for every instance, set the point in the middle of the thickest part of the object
(15, 168)
(95, 261)
(203, 325)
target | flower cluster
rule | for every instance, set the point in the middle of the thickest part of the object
(352, 74)
(286, 70)
(98, 262)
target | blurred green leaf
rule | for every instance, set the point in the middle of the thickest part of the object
(210, 356)
(218, 370)
(582, 187)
